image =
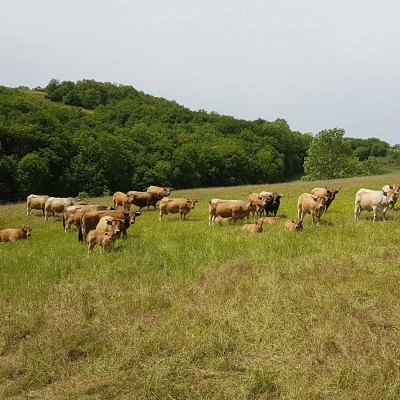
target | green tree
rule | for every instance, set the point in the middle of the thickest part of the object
(327, 155)
(32, 174)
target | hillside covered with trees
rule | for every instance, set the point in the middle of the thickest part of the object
(98, 138)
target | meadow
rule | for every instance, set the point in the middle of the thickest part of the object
(184, 310)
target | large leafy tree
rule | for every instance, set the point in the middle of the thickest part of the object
(327, 156)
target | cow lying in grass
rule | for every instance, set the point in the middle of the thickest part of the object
(11, 235)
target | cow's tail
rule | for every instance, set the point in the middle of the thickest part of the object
(80, 234)
(64, 221)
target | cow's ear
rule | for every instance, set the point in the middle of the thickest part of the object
(196, 200)
(314, 198)
(384, 193)
(280, 195)
(137, 213)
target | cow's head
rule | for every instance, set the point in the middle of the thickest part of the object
(274, 198)
(130, 217)
(190, 202)
(391, 195)
(298, 224)
(26, 231)
(321, 201)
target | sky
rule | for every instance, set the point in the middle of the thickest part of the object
(318, 64)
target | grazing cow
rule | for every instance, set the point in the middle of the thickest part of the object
(73, 219)
(59, 204)
(274, 201)
(165, 191)
(261, 201)
(90, 219)
(373, 200)
(294, 225)
(269, 220)
(175, 206)
(329, 193)
(237, 209)
(145, 199)
(222, 220)
(81, 209)
(123, 199)
(253, 228)
(11, 235)
(36, 202)
(309, 204)
(103, 239)
(395, 189)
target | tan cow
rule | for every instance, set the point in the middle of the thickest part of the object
(11, 235)
(73, 219)
(36, 202)
(164, 191)
(373, 200)
(59, 204)
(103, 239)
(260, 201)
(395, 187)
(237, 209)
(329, 193)
(294, 225)
(81, 209)
(222, 220)
(309, 204)
(90, 219)
(269, 220)
(253, 228)
(110, 224)
(123, 199)
(174, 206)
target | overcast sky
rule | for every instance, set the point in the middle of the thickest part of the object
(318, 64)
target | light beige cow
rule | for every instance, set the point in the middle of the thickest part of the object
(310, 204)
(36, 202)
(253, 228)
(294, 225)
(373, 200)
(123, 199)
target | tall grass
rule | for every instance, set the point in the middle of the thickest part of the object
(183, 310)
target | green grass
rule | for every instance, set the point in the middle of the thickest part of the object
(183, 310)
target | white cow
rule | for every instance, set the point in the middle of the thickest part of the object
(373, 200)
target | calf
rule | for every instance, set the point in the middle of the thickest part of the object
(222, 220)
(294, 225)
(103, 239)
(269, 220)
(253, 228)
(261, 201)
(11, 235)
(73, 219)
(123, 199)
(110, 224)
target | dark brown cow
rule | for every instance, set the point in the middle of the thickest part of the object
(329, 193)
(123, 199)
(11, 235)
(274, 201)
(309, 204)
(90, 219)
(237, 209)
(165, 191)
(174, 206)
(146, 199)
(36, 202)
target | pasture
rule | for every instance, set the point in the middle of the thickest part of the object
(184, 310)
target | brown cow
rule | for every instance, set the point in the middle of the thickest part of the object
(294, 225)
(36, 202)
(395, 187)
(11, 235)
(103, 239)
(146, 199)
(222, 220)
(174, 206)
(165, 191)
(73, 219)
(81, 209)
(237, 209)
(123, 199)
(260, 201)
(59, 204)
(110, 224)
(329, 193)
(90, 219)
(253, 228)
(269, 220)
(309, 204)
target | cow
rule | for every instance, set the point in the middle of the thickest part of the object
(261, 201)
(90, 219)
(110, 224)
(146, 199)
(373, 200)
(103, 239)
(165, 191)
(222, 220)
(253, 228)
(81, 209)
(59, 204)
(123, 199)
(237, 209)
(36, 202)
(269, 220)
(274, 201)
(11, 235)
(294, 225)
(177, 205)
(73, 219)
(329, 193)
(395, 189)
(309, 204)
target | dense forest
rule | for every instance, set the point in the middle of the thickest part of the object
(97, 138)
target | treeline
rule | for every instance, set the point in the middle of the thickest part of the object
(117, 138)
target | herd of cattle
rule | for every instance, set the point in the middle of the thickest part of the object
(102, 225)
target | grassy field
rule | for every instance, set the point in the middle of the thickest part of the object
(182, 310)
